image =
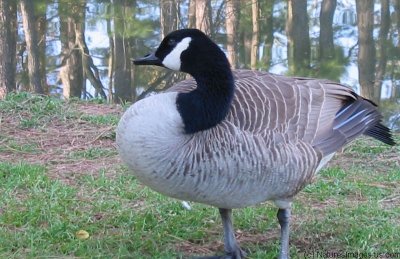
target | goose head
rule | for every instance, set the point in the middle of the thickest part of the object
(191, 51)
(187, 50)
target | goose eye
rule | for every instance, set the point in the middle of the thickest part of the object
(171, 42)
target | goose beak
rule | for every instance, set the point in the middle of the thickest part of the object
(149, 59)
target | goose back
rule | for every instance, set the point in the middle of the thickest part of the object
(288, 109)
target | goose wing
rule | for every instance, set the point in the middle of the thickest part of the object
(325, 114)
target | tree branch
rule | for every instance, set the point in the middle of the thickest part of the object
(90, 69)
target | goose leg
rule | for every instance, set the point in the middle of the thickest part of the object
(284, 220)
(232, 248)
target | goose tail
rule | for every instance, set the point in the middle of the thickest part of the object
(365, 112)
(357, 116)
(381, 133)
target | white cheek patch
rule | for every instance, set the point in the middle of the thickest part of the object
(173, 59)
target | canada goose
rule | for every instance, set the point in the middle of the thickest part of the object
(236, 139)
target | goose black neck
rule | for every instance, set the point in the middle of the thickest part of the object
(208, 104)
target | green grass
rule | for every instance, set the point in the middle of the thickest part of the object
(13, 145)
(40, 216)
(101, 119)
(93, 153)
(33, 110)
(352, 207)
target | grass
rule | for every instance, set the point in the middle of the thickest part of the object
(54, 186)
(101, 119)
(32, 110)
(93, 153)
(14, 145)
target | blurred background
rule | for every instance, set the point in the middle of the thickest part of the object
(83, 48)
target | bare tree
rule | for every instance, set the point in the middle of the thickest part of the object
(192, 14)
(8, 33)
(298, 36)
(232, 24)
(169, 19)
(41, 25)
(396, 17)
(111, 53)
(255, 36)
(326, 46)
(31, 38)
(383, 43)
(203, 16)
(396, 4)
(90, 70)
(123, 74)
(267, 16)
(169, 22)
(366, 49)
(77, 61)
(72, 15)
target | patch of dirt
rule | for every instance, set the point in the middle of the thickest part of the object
(54, 144)
(216, 246)
(98, 109)
(189, 248)
(390, 202)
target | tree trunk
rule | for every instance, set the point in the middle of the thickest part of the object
(394, 75)
(232, 24)
(366, 48)
(41, 25)
(326, 46)
(383, 44)
(8, 36)
(169, 21)
(31, 38)
(267, 15)
(255, 36)
(111, 54)
(169, 11)
(192, 14)
(203, 16)
(71, 17)
(396, 4)
(90, 70)
(123, 78)
(298, 37)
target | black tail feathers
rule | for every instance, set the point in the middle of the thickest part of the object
(381, 133)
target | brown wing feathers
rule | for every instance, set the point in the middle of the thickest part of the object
(326, 114)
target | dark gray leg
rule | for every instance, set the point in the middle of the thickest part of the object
(284, 220)
(232, 248)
